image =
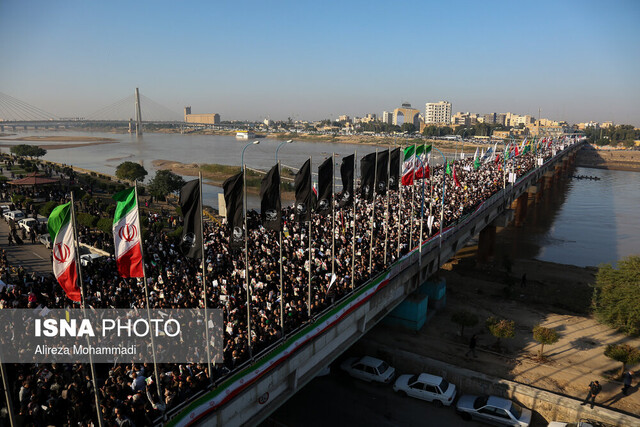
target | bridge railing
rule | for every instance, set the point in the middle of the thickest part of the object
(428, 245)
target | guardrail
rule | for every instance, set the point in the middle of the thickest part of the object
(455, 230)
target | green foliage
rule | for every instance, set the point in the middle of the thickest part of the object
(501, 328)
(432, 130)
(131, 171)
(623, 353)
(164, 183)
(612, 135)
(86, 219)
(46, 209)
(17, 198)
(23, 150)
(105, 224)
(176, 234)
(544, 336)
(464, 318)
(617, 297)
(408, 127)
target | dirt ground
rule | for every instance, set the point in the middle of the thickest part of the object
(556, 296)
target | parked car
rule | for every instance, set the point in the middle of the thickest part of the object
(368, 369)
(13, 215)
(426, 387)
(28, 224)
(4, 209)
(581, 423)
(493, 410)
(87, 259)
(45, 239)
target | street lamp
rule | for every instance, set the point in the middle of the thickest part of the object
(256, 142)
(289, 141)
(444, 186)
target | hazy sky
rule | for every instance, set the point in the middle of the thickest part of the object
(576, 60)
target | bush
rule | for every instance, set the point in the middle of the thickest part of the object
(624, 354)
(86, 219)
(544, 336)
(617, 295)
(46, 209)
(501, 328)
(105, 224)
(464, 318)
(17, 198)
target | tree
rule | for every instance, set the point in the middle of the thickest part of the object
(408, 127)
(131, 171)
(544, 336)
(464, 318)
(86, 219)
(165, 182)
(617, 295)
(23, 150)
(624, 354)
(501, 328)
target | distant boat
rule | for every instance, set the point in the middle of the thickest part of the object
(245, 134)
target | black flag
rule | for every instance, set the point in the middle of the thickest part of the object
(304, 193)
(233, 198)
(367, 176)
(346, 172)
(270, 204)
(191, 244)
(325, 186)
(382, 173)
(394, 169)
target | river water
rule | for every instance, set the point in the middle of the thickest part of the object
(580, 222)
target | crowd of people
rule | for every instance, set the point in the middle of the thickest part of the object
(366, 239)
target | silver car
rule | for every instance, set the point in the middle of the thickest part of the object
(493, 410)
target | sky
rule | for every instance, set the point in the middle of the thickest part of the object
(249, 60)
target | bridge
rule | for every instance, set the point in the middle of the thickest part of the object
(259, 387)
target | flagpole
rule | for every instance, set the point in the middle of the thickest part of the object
(386, 210)
(400, 199)
(84, 310)
(246, 258)
(7, 394)
(353, 234)
(146, 297)
(333, 214)
(309, 238)
(415, 155)
(430, 219)
(373, 211)
(280, 239)
(204, 279)
(422, 205)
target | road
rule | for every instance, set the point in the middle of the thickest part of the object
(33, 257)
(339, 400)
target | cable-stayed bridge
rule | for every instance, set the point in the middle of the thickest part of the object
(135, 109)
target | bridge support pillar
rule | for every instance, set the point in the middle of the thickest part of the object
(521, 209)
(548, 180)
(532, 192)
(486, 243)
(1, 128)
(540, 188)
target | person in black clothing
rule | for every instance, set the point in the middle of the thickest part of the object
(594, 389)
(626, 382)
(472, 346)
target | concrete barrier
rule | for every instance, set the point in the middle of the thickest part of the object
(549, 406)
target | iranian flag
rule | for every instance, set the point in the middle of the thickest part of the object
(421, 153)
(63, 253)
(408, 165)
(126, 234)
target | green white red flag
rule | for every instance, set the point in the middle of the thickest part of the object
(64, 253)
(408, 165)
(126, 234)
(422, 170)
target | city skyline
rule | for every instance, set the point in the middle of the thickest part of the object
(575, 61)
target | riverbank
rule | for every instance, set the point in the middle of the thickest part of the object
(72, 141)
(624, 160)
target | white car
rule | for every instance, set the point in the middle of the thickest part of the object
(493, 410)
(27, 223)
(45, 239)
(13, 215)
(426, 387)
(369, 369)
(87, 259)
(581, 423)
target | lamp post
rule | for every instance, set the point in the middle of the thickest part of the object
(289, 141)
(246, 249)
(444, 186)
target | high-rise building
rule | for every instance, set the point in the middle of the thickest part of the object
(438, 113)
(387, 117)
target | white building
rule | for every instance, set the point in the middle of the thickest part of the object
(387, 117)
(437, 113)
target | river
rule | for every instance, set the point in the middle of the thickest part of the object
(580, 222)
